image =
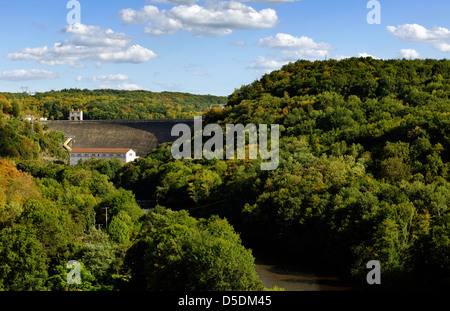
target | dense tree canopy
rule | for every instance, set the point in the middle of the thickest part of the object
(363, 174)
(177, 252)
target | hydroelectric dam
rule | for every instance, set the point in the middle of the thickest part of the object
(140, 135)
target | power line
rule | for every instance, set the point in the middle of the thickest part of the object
(197, 207)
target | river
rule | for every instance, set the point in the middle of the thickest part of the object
(294, 279)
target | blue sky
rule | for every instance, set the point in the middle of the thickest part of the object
(205, 46)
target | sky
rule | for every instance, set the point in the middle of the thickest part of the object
(205, 46)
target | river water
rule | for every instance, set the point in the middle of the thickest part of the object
(293, 279)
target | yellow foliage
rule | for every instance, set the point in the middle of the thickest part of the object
(15, 186)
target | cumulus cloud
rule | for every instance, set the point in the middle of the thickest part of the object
(287, 41)
(95, 36)
(418, 33)
(442, 46)
(294, 48)
(291, 49)
(110, 78)
(409, 53)
(130, 16)
(214, 19)
(131, 87)
(264, 64)
(87, 43)
(24, 75)
(112, 81)
(364, 54)
(439, 37)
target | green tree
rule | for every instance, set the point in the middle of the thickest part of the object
(394, 169)
(120, 228)
(23, 260)
(15, 109)
(177, 252)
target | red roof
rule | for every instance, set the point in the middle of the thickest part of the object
(100, 150)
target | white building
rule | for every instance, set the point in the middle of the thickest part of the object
(76, 115)
(83, 154)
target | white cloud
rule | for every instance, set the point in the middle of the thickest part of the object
(110, 82)
(292, 49)
(267, 64)
(263, 65)
(105, 78)
(131, 87)
(214, 19)
(340, 57)
(110, 78)
(95, 36)
(286, 41)
(135, 54)
(104, 87)
(130, 16)
(442, 46)
(418, 33)
(409, 53)
(310, 54)
(364, 54)
(87, 43)
(23, 75)
(438, 36)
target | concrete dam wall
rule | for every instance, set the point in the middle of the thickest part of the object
(140, 135)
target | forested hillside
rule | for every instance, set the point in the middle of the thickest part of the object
(52, 214)
(109, 104)
(363, 174)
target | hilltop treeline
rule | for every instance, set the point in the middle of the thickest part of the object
(109, 104)
(363, 174)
